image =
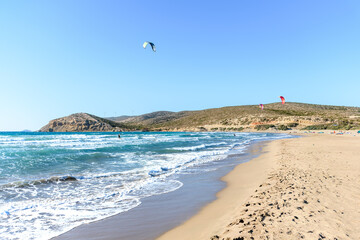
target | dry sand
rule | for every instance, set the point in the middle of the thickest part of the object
(303, 188)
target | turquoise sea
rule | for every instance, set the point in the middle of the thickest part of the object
(52, 182)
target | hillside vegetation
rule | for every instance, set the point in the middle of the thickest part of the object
(275, 116)
(251, 117)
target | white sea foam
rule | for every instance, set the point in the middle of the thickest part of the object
(113, 175)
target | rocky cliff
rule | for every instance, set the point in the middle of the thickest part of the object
(84, 122)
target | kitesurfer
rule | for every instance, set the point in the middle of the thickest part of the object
(282, 99)
(151, 44)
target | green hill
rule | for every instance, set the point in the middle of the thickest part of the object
(275, 116)
(251, 117)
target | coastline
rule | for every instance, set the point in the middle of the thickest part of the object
(300, 188)
(160, 213)
(241, 182)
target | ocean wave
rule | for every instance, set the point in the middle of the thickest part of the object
(54, 182)
(193, 148)
(23, 184)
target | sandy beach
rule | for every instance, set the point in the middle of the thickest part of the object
(160, 213)
(302, 188)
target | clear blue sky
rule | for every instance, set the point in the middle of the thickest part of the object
(63, 57)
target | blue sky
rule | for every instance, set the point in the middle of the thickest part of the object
(63, 57)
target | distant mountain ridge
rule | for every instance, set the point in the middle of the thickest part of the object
(153, 118)
(275, 116)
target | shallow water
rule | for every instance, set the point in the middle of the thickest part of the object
(40, 198)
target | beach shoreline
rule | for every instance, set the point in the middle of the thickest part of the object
(249, 174)
(288, 189)
(299, 188)
(160, 213)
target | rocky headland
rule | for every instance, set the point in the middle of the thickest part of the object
(83, 122)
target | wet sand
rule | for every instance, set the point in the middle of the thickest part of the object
(303, 188)
(158, 214)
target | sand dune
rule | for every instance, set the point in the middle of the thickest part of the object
(309, 189)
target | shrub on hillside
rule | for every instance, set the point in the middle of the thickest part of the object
(292, 124)
(317, 127)
(264, 126)
(282, 128)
